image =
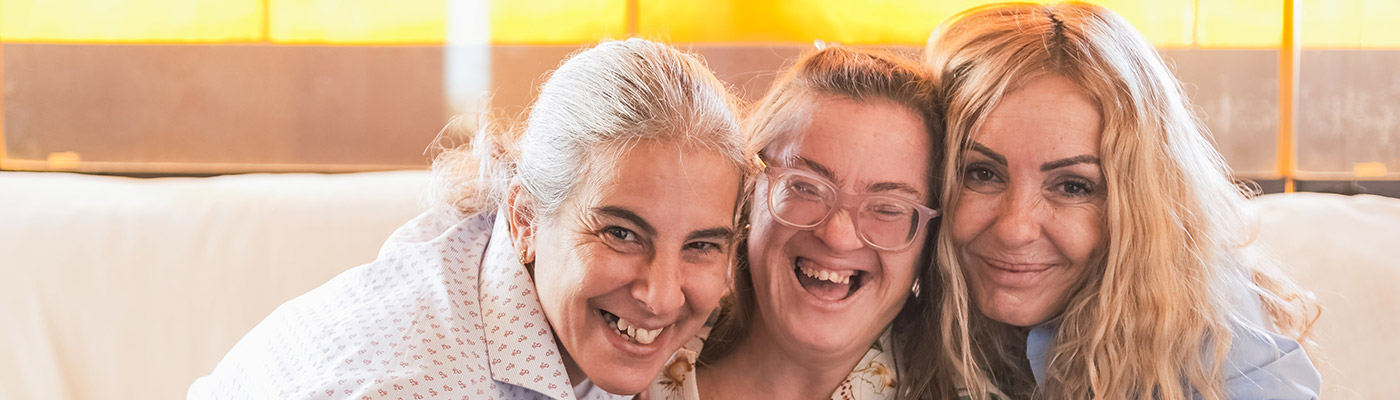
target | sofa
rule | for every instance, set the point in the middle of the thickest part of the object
(125, 288)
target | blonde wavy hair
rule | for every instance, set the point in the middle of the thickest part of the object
(1162, 302)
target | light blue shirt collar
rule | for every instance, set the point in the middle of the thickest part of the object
(1037, 344)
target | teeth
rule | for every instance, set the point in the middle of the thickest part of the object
(829, 276)
(639, 335)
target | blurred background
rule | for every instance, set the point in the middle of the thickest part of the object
(113, 286)
(1306, 91)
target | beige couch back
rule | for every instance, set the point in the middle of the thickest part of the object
(118, 288)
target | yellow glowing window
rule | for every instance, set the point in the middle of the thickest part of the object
(1349, 24)
(357, 21)
(130, 21)
(1165, 23)
(1240, 24)
(557, 21)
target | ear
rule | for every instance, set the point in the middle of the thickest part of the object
(521, 217)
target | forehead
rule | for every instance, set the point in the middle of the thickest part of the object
(1049, 117)
(875, 137)
(663, 181)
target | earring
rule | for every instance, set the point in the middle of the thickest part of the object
(915, 289)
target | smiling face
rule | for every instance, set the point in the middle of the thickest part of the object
(630, 270)
(1030, 213)
(823, 291)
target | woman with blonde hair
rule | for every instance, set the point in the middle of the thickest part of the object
(567, 260)
(1095, 244)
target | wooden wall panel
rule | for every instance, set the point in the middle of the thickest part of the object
(221, 108)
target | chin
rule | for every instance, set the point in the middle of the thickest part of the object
(628, 385)
(622, 375)
(1020, 315)
(1015, 320)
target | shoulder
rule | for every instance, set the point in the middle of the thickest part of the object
(874, 376)
(409, 316)
(1264, 364)
(676, 381)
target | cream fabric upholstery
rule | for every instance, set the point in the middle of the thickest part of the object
(1346, 249)
(118, 288)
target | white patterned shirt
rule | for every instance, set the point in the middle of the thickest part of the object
(445, 312)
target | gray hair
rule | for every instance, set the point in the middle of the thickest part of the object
(596, 106)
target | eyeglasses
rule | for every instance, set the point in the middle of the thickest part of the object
(805, 200)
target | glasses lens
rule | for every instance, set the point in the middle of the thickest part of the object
(888, 223)
(800, 200)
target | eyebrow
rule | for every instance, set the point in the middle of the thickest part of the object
(874, 187)
(1061, 163)
(619, 212)
(1046, 167)
(818, 168)
(995, 156)
(712, 233)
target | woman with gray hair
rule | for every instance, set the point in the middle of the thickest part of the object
(568, 260)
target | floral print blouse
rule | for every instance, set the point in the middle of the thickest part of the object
(873, 377)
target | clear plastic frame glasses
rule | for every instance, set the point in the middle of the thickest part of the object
(805, 200)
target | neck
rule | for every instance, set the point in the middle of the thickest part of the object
(762, 367)
(575, 373)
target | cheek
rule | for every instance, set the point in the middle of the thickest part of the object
(1077, 233)
(570, 278)
(553, 279)
(598, 271)
(766, 238)
(971, 216)
(902, 267)
(703, 287)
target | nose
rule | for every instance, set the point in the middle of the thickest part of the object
(659, 287)
(839, 232)
(1019, 218)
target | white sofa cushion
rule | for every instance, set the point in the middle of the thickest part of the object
(119, 288)
(1344, 248)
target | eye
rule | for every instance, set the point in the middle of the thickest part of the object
(804, 189)
(888, 211)
(978, 174)
(1075, 189)
(982, 178)
(620, 233)
(705, 247)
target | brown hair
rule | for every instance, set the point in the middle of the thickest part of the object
(860, 75)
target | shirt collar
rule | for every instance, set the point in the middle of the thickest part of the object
(519, 341)
(1037, 344)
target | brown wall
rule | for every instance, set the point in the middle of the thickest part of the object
(237, 108)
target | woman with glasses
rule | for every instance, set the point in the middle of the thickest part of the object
(1095, 245)
(566, 261)
(835, 277)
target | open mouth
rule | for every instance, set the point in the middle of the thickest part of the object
(826, 284)
(629, 331)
